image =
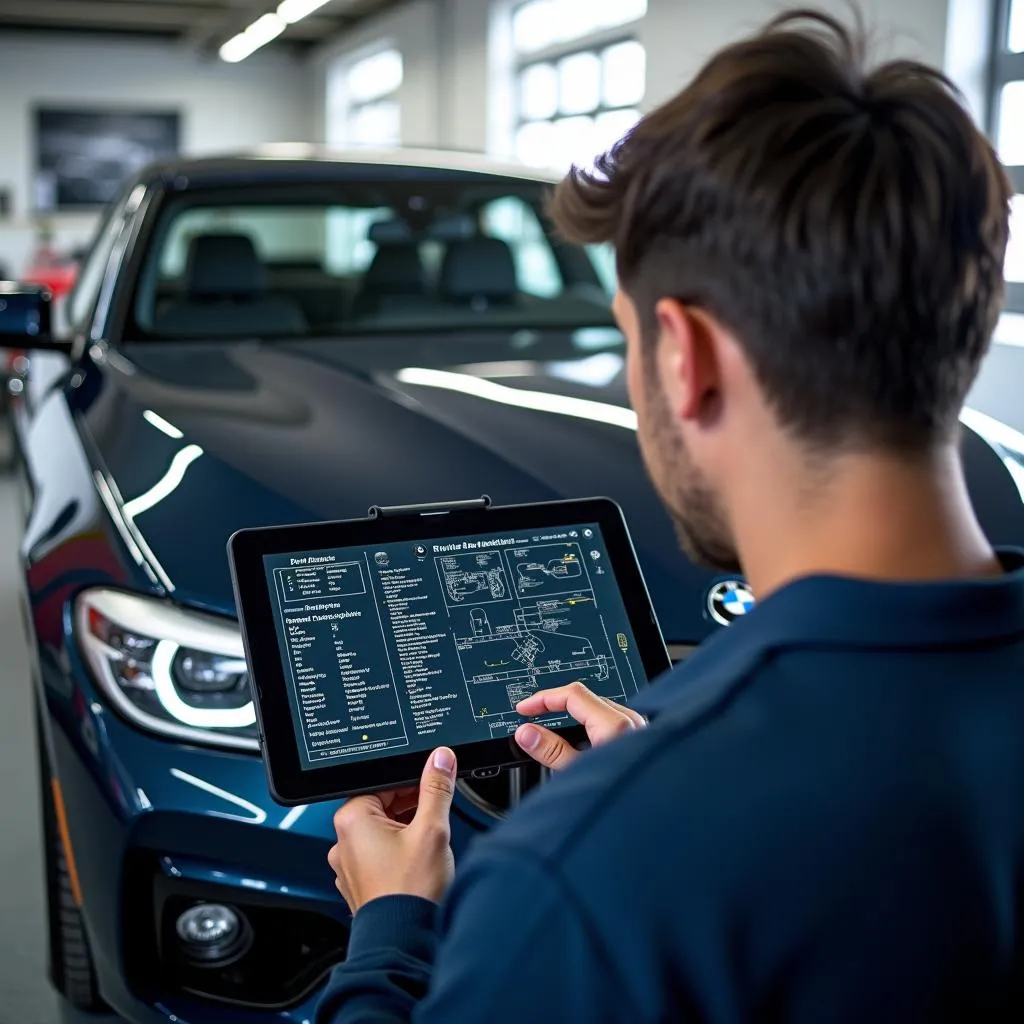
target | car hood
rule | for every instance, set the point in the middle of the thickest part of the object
(203, 440)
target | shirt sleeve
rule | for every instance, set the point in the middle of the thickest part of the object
(386, 972)
(512, 945)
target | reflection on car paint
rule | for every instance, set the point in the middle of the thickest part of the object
(256, 815)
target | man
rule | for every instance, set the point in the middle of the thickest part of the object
(824, 821)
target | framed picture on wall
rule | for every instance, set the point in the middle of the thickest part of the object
(84, 155)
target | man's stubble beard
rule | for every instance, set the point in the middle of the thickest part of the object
(695, 509)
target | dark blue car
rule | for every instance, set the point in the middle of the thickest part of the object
(264, 340)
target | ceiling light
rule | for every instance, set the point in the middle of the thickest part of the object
(258, 34)
(235, 49)
(292, 11)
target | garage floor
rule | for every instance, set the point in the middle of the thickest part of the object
(25, 993)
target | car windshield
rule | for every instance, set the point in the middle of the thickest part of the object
(466, 252)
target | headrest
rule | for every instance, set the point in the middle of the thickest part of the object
(450, 228)
(389, 232)
(396, 270)
(456, 228)
(479, 268)
(223, 265)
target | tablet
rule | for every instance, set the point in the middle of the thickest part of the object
(372, 641)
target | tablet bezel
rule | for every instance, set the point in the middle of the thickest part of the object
(292, 785)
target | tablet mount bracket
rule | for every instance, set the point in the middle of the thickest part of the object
(435, 508)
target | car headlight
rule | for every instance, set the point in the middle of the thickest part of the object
(178, 673)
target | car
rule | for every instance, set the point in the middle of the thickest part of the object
(275, 338)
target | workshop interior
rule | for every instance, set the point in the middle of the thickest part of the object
(270, 266)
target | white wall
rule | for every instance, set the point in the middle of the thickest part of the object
(968, 41)
(450, 83)
(414, 30)
(268, 98)
(679, 35)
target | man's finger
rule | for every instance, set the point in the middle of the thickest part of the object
(402, 805)
(392, 797)
(356, 809)
(544, 746)
(585, 706)
(437, 788)
(634, 716)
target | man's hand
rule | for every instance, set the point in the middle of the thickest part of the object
(379, 854)
(604, 720)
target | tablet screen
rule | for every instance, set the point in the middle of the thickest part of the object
(402, 647)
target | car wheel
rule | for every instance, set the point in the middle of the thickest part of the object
(71, 965)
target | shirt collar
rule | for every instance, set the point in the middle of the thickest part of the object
(848, 613)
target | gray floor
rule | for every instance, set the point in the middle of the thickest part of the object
(25, 994)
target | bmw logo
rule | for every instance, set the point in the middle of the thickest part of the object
(728, 600)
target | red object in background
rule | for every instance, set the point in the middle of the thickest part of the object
(59, 279)
(52, 270)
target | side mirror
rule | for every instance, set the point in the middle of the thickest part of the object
(25, 318)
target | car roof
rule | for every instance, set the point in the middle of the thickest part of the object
(298, 162)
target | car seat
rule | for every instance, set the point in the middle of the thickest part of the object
(394, 280)
(225, 285)
(479, 272)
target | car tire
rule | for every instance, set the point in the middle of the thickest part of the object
(71, 964)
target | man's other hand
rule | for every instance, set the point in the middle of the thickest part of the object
(384, 849)
(603, 719)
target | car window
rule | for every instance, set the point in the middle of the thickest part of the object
(82, 299)
(279, 235)
(514, 222)
(603, 257)
(347, 246)
(387, 255)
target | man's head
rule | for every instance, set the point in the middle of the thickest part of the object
(810, 259)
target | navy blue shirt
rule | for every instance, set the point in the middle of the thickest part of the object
(823, 823)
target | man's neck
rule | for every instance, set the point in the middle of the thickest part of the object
(867, 516)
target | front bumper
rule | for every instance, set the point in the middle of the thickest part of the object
(155, 826)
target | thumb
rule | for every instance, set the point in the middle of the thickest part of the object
(437, 788)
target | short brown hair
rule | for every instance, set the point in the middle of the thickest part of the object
(848, 224)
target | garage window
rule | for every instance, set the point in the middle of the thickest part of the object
(363, 106)
(580, 78)
(1008, 133)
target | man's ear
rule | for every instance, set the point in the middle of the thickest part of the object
(687, 358)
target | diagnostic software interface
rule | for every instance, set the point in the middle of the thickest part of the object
(409, 645)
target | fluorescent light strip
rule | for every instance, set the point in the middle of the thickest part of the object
(166, 484)
(563, 405)
(259, 33)
(162, 425)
